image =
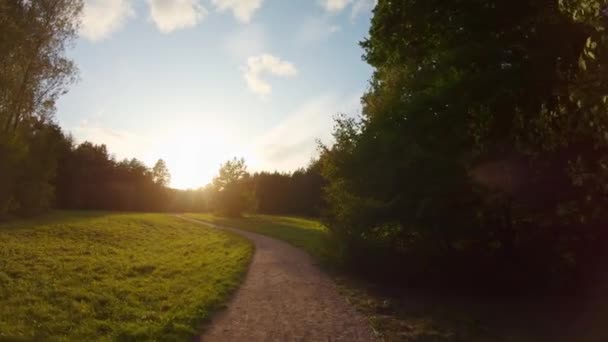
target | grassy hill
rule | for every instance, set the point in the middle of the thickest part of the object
(308, 234)
(86, 276)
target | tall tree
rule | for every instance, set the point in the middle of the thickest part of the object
(484, 125)
(34, 71)
(232, 195)
(161, 174)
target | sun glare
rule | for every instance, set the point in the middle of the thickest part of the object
(194, 158)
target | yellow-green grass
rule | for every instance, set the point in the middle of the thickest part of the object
(79, 276)
(308, 234)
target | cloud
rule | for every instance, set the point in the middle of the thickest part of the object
(245, 41)
(122, 144)
(286, 146)
(314, 29)
(266, 63)
(362, 6)
(101, 18)
(171, 15)
(243, 10)
(358, 6)
(335, 5)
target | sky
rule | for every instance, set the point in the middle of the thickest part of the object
(197, 82)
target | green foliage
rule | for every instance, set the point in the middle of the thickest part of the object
(96, 276)
(34, 71)
(232, 195)
(161, 174)
(89, 178)
(482, 142)
(190, 200)
(28, 162)
(308, 234)
(296, 193)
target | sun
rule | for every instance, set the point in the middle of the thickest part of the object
(194, 157)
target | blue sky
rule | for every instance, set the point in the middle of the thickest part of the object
(197, 82)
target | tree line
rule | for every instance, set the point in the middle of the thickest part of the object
(41, 167)
(235, 191)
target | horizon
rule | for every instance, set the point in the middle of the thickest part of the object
(215, 79)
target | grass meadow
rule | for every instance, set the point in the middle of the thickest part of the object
(308, 234)
(81, 276)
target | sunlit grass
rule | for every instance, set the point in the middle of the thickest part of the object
(95, 276)
(308, 234)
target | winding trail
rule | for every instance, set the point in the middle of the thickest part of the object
(285, 297)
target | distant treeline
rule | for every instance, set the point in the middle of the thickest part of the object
(299, 193)
(41, 167)
(45, 169)
(235, 191)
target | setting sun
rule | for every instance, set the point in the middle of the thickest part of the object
(194, 155)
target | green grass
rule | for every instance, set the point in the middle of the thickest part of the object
(94, 276)
(308, 234)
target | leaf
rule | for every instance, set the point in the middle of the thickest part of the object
(582, 64)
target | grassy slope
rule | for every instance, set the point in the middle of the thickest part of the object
(307, 234)
(95, 276)
(418, 316)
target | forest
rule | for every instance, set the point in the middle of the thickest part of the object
(480, 157)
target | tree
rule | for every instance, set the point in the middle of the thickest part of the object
(482, 133)
(232, 196)
(28, 164)
(161, 174)
(296, 193)
(34, 71)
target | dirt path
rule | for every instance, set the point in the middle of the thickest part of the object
(285, 297)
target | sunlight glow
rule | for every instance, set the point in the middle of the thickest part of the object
(194, 156)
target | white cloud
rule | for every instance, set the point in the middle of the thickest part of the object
(171, 15)
(245, 41)
(266, 63)
(286, 146)
(335, 5)
(358, 6)
(243, 10)
(101, 18)
(122, 144)
(316, 29)
(362, 6)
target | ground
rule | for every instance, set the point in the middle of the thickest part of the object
(285, 297)
(419, 316)
(83, 276)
